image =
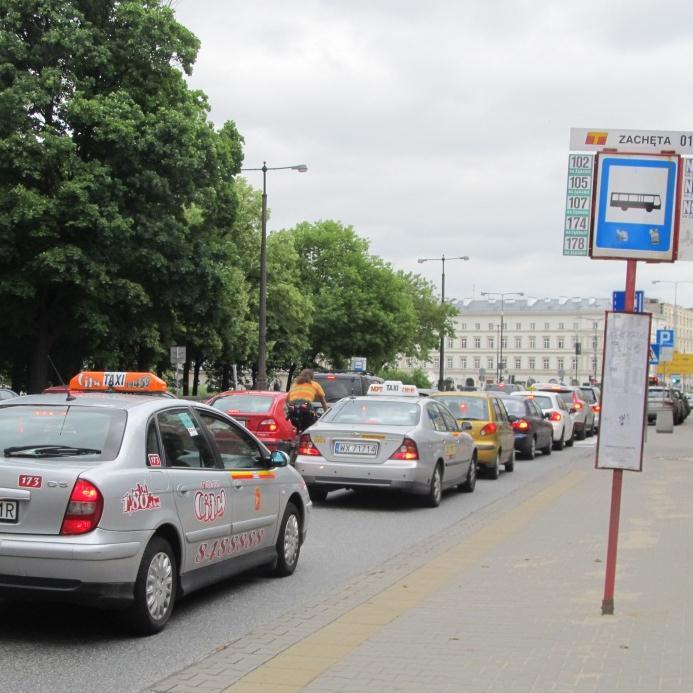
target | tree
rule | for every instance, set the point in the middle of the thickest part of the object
(104, 151)
(416, 377)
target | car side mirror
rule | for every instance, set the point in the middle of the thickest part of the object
(573, 410)
(512, 418)
(464, 425)
(547, 414)
(279, 458)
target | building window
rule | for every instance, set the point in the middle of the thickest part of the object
(463, 342)
(560, 364)
(561, 342)
(518, 325)
(595, 325)
(463, 361)
(547, 326)
(518, 364)
(518, 342)
(547, 343)
(450, 343)
(573, 363)
(489, 362)
(595, 343)
(491, 327)
(489, 342)
(463, 326)
(477, 325)
(531, 364)
(504, 342)
(561, 326)
(477, 362)
(436, 362)
(532, 326)
(410, 363)
(449, 360)
(532, 342)
(576, 325)
(477, 342)
(546, 364)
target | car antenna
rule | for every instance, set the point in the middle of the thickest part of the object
(60, 378)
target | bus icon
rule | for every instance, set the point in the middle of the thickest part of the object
(628, 201)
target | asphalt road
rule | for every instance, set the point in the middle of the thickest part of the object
(69, 648)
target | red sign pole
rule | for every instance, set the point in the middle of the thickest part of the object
(617, 482)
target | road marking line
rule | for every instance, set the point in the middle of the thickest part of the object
(298, 665)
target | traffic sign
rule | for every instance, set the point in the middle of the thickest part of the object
(645, 141)
(618, 301)
(654, 354)
(666, 353)
(177, 355)
(636, 207)
(358, 364)
(665, 338)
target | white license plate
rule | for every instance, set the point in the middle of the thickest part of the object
(8, 511)
(345, 447)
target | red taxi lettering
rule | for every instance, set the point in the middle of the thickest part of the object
(209, 505)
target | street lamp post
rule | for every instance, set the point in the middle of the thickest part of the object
(676, 289)
(442, 259)
(261, 380)
(502, 294)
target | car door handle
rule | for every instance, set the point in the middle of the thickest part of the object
(182, 490)
(238, 485)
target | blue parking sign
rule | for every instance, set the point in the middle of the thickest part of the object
(665, 338)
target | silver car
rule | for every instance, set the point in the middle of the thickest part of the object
(122, 500)
(408, 443)
(557, 412)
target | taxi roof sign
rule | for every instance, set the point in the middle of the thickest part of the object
(393, 387)
(117, 381)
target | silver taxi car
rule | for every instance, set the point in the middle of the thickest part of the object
(127, 500)
(391, 438)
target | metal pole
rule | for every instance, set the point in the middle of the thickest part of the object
(500, 358)
(617, 481)
(261, 382)
(441, 367)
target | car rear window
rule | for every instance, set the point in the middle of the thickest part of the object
(98, 428)
(587, 394)
(248, 404)
(543, 402)
(515, 406)
(337, 387)
(374, 412)
(474, 408)
(655, 393)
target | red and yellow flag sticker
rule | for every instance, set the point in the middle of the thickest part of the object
(596, 138)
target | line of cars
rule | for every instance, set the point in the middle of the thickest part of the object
(660, 399)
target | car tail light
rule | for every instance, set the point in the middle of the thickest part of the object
(489, 429)
(406, 451)
(596, 408)
(267, 426)
(331, 376)
(306, 447)
(520, 425)
(577, 404)
(555, 416)
(83, 510)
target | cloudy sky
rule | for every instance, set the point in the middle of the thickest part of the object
(442, 127)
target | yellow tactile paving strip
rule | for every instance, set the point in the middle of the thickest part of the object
(303, 662)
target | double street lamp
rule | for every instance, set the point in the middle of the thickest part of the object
(501, 295)
(261, 379)
(442, 259)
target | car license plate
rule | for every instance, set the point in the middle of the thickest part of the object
(8, 511)
(345, 447)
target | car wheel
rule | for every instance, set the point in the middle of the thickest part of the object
(494, 472)
(560, 444)
(155, 588)
(469, 483)
(435, 489)
(590, 431)
(317, 494)
(571, 440)
(510, 464)
(531, 450)
(548, 448)
(288, 542)
(582, 434)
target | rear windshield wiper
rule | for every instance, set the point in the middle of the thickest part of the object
(48, 451)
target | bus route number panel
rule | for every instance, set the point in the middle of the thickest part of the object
(578, 204)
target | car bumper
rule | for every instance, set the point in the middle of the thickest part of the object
(99, 568)
(486, 453)
(411, 477)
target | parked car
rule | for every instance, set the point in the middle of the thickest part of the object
(115, 499)
(680, 405)
(531, 429)
(583, 416)
(660, 399)
(338, 385)
(591, 395)
(501, 387)
(389, 440)
(264, 412)
(492, 432)
(558, 413)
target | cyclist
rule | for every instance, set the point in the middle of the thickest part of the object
(302, 394)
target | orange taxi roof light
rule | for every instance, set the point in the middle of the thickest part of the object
(116, 381)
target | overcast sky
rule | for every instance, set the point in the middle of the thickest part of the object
(443, 126)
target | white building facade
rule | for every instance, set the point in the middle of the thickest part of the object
(537, 341)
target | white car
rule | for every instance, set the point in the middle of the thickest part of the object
(558, 414)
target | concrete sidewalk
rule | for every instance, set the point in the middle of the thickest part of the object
(509, 600)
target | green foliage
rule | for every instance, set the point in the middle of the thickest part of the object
(416, 377)
(116, 194)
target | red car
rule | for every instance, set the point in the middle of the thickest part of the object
(262, 412)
